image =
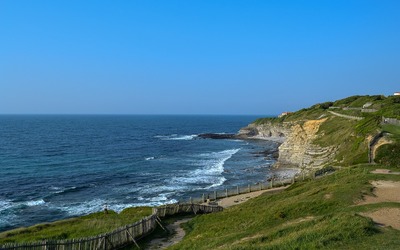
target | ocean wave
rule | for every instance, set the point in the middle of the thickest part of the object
(12, 205)
(119, 207)
(175, 137)
(149, 158)
(97, 205)
(81, 208)
(210, 172)
(34, 203)
(5, 204)
(66, 190)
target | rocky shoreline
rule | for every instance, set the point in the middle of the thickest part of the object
(296, 149)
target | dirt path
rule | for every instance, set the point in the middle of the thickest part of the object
(384, 191)
(177, 231)
(177, 235)
(238, 199)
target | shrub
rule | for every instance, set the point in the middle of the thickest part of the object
(389, 155)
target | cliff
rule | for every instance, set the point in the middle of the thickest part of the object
(297, 148)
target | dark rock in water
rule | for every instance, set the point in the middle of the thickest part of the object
(275, 155)
(268, 154)
(216, 136)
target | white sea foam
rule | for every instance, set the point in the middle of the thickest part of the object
(5, 204)
(210, 172)
(84, 207)
(184, 137)
(34, 203)
(97, 205)
(149, 158)
(119, 207)
(176, 137)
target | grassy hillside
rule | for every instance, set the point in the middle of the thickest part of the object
(308, 215)
(351, 137)
(85, 226)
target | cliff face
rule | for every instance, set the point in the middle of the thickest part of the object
(297, 148)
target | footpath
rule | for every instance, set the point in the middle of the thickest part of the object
(178, 232)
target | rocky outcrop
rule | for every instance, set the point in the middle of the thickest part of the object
(297, 148)
(216, 136)
(268, 131)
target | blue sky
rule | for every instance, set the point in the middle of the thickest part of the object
(194, 57)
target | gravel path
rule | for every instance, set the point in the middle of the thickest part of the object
(177, 235)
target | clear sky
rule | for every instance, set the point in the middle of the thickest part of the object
(194, 57)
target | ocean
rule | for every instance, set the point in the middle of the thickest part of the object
(59, 166)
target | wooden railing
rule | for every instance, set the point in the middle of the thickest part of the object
(219, 194)
(120, 237)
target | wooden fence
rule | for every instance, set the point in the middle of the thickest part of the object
(392, 121)
(218, 194)
(120, 237)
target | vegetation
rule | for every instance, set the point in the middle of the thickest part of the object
(308, 215)
(349, 136)
(389, 155)
(85, 226)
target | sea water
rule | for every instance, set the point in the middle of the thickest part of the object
(54, 167)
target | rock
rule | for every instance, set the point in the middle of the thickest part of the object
(216, 136)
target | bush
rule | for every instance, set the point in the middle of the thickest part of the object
(326, 105)
(389, 155)
(324, 170)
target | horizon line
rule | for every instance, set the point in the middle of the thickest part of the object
(127, 114)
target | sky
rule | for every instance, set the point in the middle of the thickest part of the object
(194, 57)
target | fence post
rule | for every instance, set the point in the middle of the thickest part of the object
(261, 186)
(226, 192)
(272, 182)
(249, 188)
(215, 195)
(191, 200)
(203, 198)
(237, 188)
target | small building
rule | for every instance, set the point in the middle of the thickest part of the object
(396, 93)
(283, 114)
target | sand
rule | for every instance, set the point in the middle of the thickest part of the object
(384, 191)
(385, 217)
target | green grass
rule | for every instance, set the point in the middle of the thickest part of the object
(85, 226)
(392, 129)
(389, 155)
(342, 133)
(308, 215)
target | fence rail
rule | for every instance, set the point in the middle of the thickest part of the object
(392, 121)
(219, 194)
(120, 237)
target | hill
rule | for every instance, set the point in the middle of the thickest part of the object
(353, 208)
(345, 132)
(327, 213)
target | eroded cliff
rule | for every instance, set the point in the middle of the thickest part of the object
(297, 148)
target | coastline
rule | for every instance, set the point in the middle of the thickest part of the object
(270, 138)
